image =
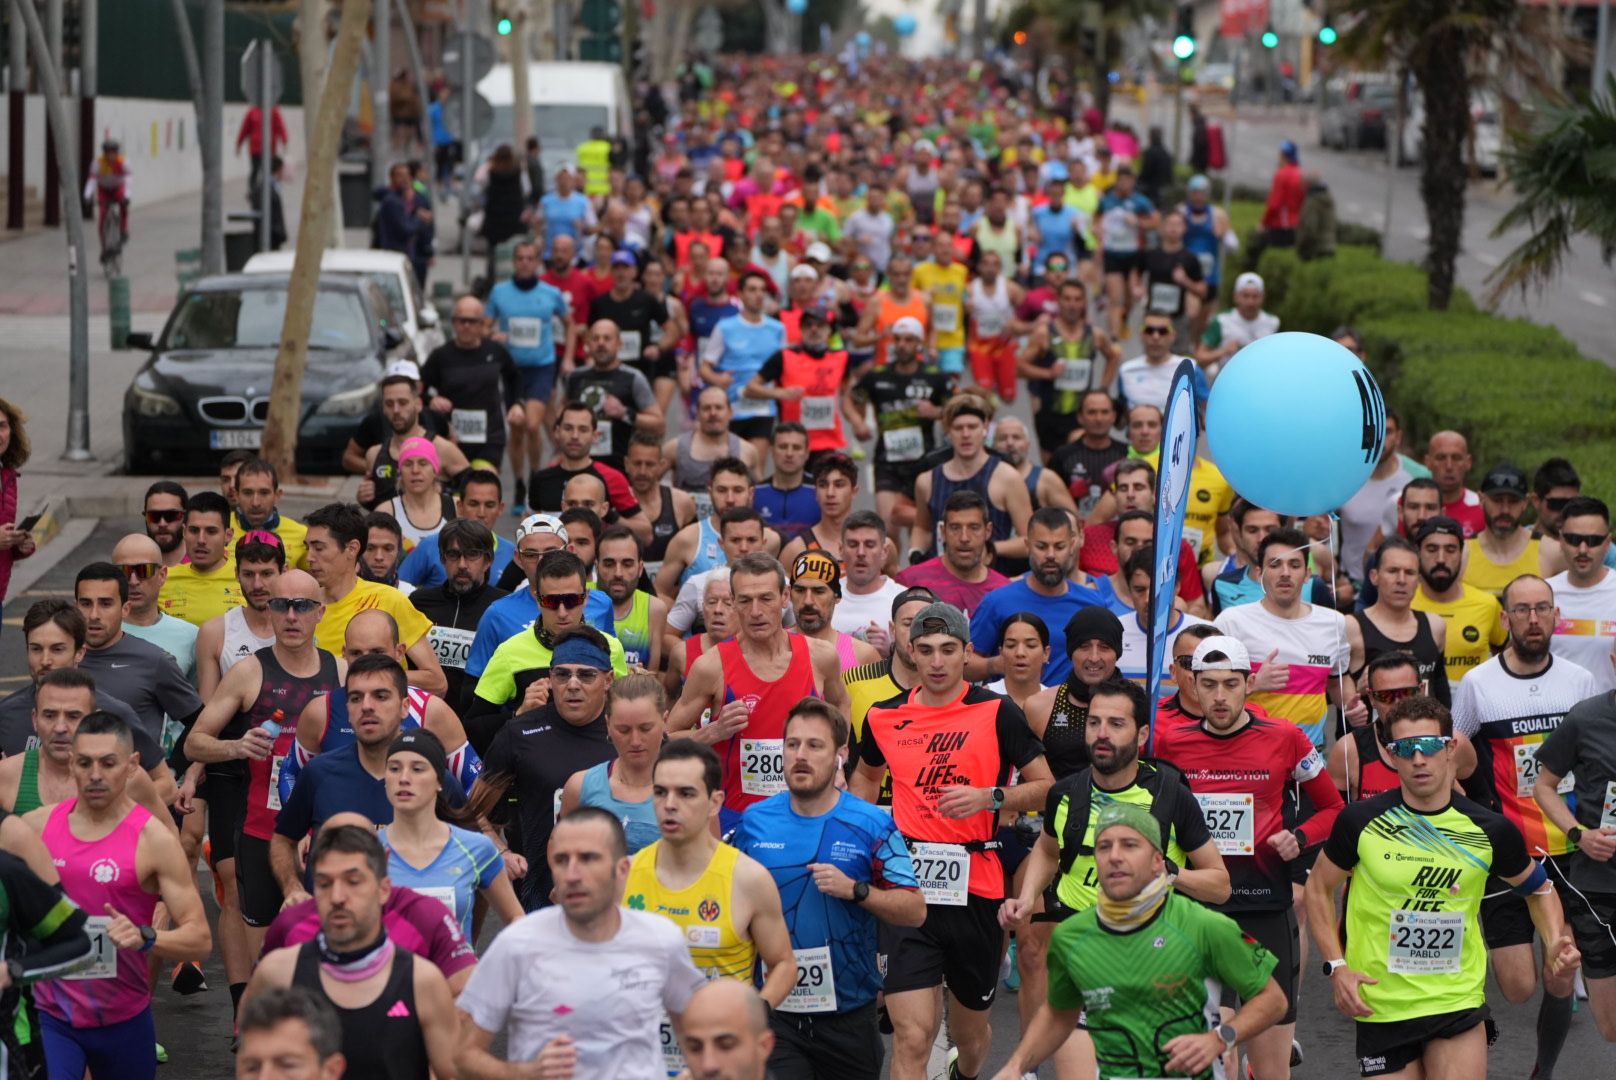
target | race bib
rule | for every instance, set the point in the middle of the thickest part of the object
(673, 1059)
(904, 444)
(819, 413)
(1209, 263)
(944, 872)
(1230, 817)
(1425, 942)
(653, 567)
(470, 425)
(273, 799)
(945, 318)
(763, 766)
(746, 408)
(704, 504)
(1165, 297)
(1074, 375)
(555, 809)
(1526, 768)
(602, 446)
(103, 953)
(990, 325)
(628, 347)
(443, 894)
(524, 333)
(1607, 818)
(452, 645)
(1193, 535)
(815, 991)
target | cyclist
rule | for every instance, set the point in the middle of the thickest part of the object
(110, 179)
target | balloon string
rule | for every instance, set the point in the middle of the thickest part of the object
(1334, 546)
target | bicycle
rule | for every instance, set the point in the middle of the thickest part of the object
(112, 240)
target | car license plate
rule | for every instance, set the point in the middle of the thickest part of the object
(236, 438)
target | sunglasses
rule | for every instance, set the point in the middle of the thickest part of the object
(584, 676)
(1184, 661)
(1587, 540)
(556, 601)
(1557, 505)
(1394, 693)
(1055, 267)
(1157, 331)
(144, 571)
(1429, 745)
(302, 605)
(163, 517)
(467, 320)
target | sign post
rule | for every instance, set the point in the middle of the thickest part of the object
(261, 84)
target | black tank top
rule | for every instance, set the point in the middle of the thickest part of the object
(663, 528)
(382, 1040)
(1064, 746)
(281, 690)
(942, 486)
(384, 473)
(1432, 664)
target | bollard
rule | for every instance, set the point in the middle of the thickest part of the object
(187, 265)
(118, 311)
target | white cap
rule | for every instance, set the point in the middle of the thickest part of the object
(1237, 658)
(1248, 280)
(541, 523)
(803, 270)
(407, 368)
(908, 325)
(818, 251)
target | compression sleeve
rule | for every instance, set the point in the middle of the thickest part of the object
(46, 916)
(1327, 806)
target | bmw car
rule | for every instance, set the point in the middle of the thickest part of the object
(205, 389)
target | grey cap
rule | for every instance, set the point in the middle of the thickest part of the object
(941, 618)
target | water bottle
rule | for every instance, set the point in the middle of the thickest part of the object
(274, 724)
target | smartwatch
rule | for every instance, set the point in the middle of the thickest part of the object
(148, 938)
(998, 797)
(1574, 834)
(1332, 966)
(1227, 1033)
(861, 891)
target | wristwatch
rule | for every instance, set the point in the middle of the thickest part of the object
(15, 970)
(1332, 966)
(861, 891)
(1574, 834)
(998, 797)
(1227, 1033)
(148, 938)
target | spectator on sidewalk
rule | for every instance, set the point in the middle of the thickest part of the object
(15, 543)
(401, 223)
(1284, 210)
(251, 132)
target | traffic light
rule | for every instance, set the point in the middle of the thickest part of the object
(1327, 35)
(503, 26)
(1184, 40)
(1270, 40)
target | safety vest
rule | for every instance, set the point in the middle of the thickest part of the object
(595, 158)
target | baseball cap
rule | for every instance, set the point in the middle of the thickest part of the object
(1504, 479)
(1200, 183)
(1249, 280)
(541, 523)
(1441, 524)
(910, 595)
(908, 325)
(803, 270)
(624, 258)
(408, 369)
(1236, 658)
(818, 251)
(1287, 149)
(1137, 818)
(1056, 173)
(819, 310)
(941, 618)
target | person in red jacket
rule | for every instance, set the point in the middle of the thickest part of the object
(251, 133)
(1284, 207)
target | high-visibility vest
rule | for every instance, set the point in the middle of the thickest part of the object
(595, 158)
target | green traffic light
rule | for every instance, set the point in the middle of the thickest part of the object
(1327, 35)
(1183, 47)
(503, 27)
(1270, 40)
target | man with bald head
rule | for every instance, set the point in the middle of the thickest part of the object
(472, 381)
(141, 561)
(726, 1032)
(245, 734)
(1447, 455)
(620, 397)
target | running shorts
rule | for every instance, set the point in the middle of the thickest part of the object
(1392, 1046)
(958, 947)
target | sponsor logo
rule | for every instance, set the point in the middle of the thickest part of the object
(709, 910)
(105, 871)
(1472, 635)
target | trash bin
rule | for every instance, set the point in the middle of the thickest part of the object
(118, 311)
(238, 248)
(354, 188)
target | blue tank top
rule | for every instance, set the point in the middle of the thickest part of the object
(1202, 242)
(709, 553)
(787, 511)
(942, 487)
(639, 818)
(1032, 484)
(746, 347)
(704, 316)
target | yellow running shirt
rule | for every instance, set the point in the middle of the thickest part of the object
(1489, 576)
(704, 911)
(197, 596)
(946, 287)
(367, 596)
(1475, 628)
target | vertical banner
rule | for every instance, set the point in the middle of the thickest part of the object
(1172, 496)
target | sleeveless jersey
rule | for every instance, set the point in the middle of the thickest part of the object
(1080, 373)
(1429, 661)
(1202, 242)
(754, 759)
(239, 640)
(1004, 241)
(634, 629)
(339, 733)
(747, 346)
(1508, 717)
(95, 873)
(382, 1040)
(709, 552)
(1076, 799)
(704, 911)
(820, 410)
(1489, 576)
(28, 797)
(662, 530)
(1375, 777)
(414, 533)
(384, 473)
(1065, 748)
(639, 818)
(888, 312)
(990, 311)
(846, 654)
(286, 693)
(942, 486)
(946, 288)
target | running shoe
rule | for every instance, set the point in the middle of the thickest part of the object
(187, 979)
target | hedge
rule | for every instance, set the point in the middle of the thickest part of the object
(1519, 391)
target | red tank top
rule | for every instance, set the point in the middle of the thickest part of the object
(820, 409)
(287, 693)
(1374, 775)
(692, 652)
(754, 760)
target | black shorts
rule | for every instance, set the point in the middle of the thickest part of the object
(257, 891)
(1394, 1046)
(1275, 931)
(1592, 916)
(753, 427)
(226, 800)
(956, 946)
(897, 476)
(1123, 262)
(1505, 918)
(1053, 428)
(1013, 851)
(808, 1045)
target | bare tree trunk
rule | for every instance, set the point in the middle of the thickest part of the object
(311, 57)
(1442, 160)
(212, 143)
(679, 41)
(286, 392)
(521, 95)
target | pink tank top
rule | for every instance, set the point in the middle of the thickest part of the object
(845, 653)
(96, 873)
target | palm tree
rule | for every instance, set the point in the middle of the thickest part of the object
(1087, 32)
(1451, 47)
(1563, 170)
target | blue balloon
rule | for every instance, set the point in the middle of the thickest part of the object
(796, 7)
(1296, 423)
(904, 24)
(862, 37)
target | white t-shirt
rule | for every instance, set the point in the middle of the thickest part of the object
(1145, 383)
(1313, 647)
(855, 611)
(1373, 507)
(1134, 662)
(1586, 631)
(1532, 705)
(540, 981)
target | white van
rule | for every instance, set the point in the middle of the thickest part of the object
(569, 99)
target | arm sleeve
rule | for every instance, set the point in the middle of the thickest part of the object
(686, 608)
(491, 990)
(45, 916)
(683, 978)
(510, 378)
(644, 397)
(1017, 744)
(1465, 720)
(893, 868)
(1509, 846)
(713, 351)
(1321, 791)
(773, 368)
(869, 750)
(985, 629)
(176, 695)
(297, 811)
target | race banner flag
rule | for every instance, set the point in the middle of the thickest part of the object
(1173, 492)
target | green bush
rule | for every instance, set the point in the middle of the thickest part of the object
(1277, 266)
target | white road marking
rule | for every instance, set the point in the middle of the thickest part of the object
(1593, 298)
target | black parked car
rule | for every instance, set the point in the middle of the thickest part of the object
(205, 389)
